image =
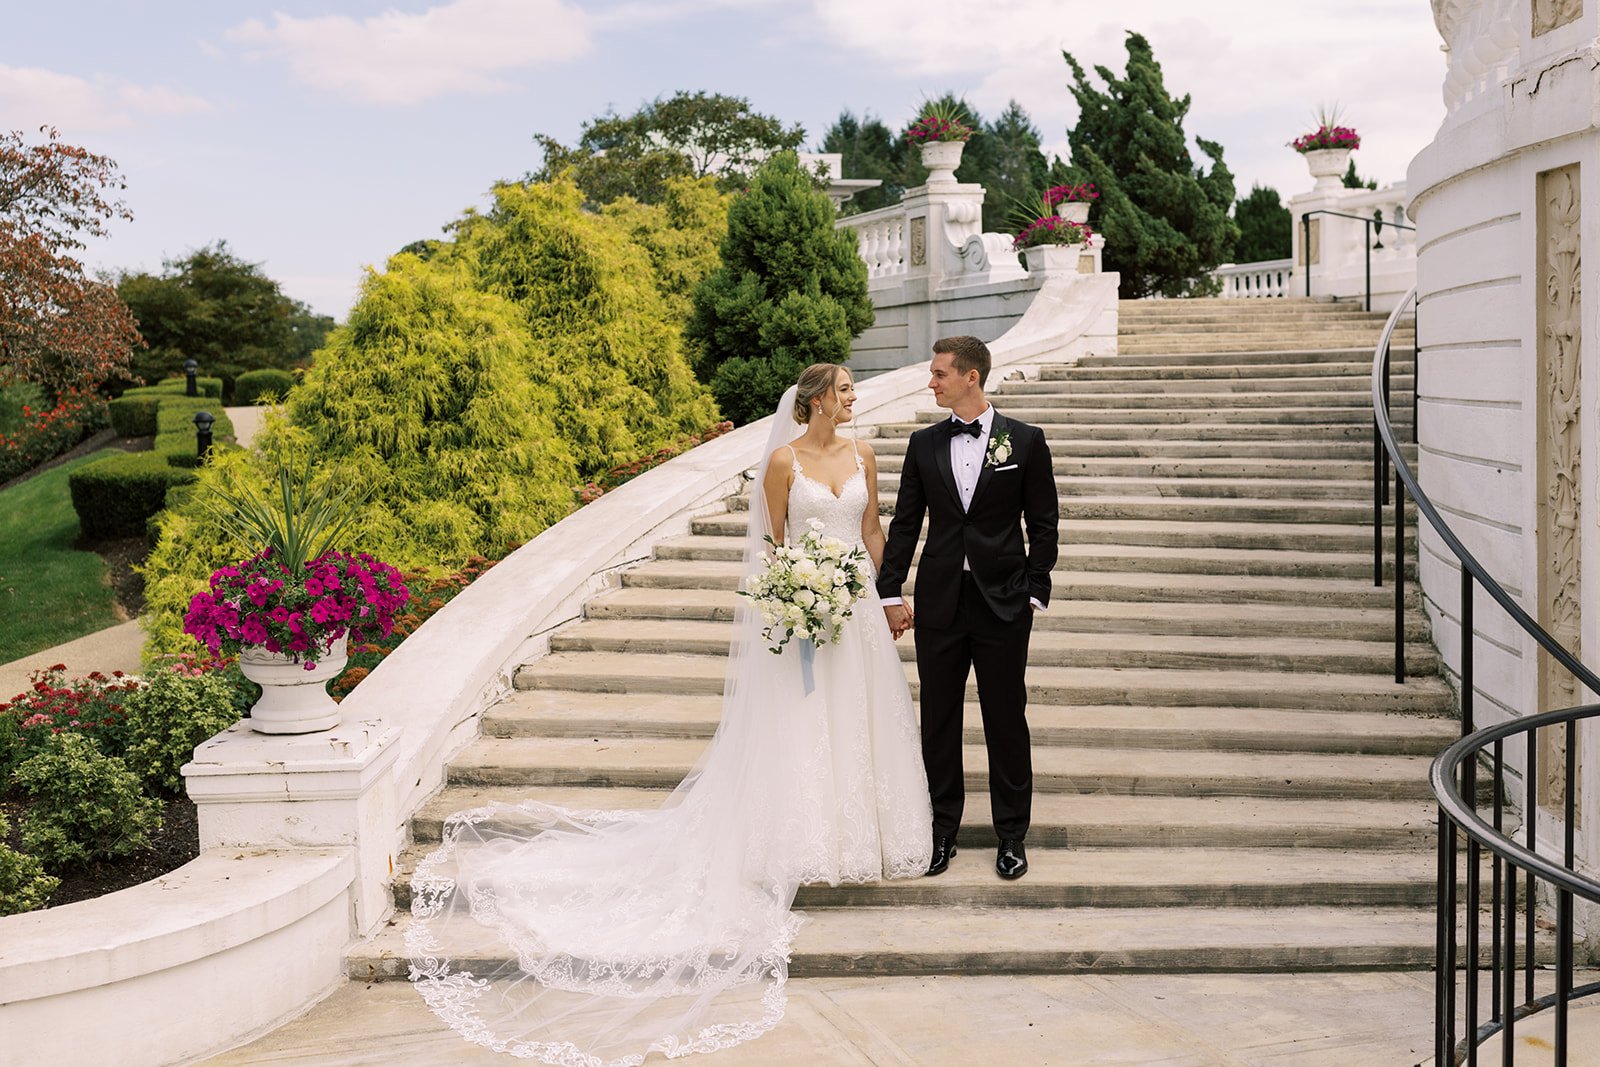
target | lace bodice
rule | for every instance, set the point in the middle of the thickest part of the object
(841, 515)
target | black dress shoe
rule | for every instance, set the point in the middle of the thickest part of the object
(943, 849)
(1012, 860)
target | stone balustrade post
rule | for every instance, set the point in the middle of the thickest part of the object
(939, 220)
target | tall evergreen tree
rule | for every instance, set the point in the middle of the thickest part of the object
(1264, 227)
(1014, 169)
(1165, 220)
(1352, 180)
(791, 291)
(869, 150)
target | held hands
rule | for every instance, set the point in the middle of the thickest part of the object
(900, 620)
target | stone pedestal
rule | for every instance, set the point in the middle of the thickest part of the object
(324, 790)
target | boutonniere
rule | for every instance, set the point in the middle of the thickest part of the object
(999, 448)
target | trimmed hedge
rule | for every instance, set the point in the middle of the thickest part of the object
(134, 416)
(209, 387)
(117, 495)
(251, 386)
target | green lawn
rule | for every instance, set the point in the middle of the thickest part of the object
(49, 592)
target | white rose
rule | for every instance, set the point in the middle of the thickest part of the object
(802, 632)
(805, 598)
(841, 597)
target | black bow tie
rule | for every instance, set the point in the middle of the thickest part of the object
(955, 428)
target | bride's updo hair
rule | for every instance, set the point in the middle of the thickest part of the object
(814, 381)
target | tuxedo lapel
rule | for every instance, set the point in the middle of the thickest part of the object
(941, 458)
(997, 426)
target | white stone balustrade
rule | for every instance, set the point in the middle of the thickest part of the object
(1268, 278)
(882, 236)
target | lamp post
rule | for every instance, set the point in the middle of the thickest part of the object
(189, 368)
(203, 421)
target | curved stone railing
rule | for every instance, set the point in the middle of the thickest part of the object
(300, 833)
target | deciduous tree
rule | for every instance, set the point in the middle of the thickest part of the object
(59, 327)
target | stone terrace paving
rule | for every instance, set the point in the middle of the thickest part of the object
(1227, 777)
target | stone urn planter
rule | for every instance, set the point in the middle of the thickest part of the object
(1328, 165)
(1074, 210)
(942, 158)
(1053, 259)
(293, 700)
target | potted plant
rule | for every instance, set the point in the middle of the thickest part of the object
(289, 611)
(1072, 202)
(1051, 241)
(941, 132)
(1327, 149)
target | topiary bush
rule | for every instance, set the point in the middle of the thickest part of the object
(117, 495)
(85, 805)
(176, 709)
(134, 416)
(208, 388)
(23, 884)
(269, 383)
(792, 290)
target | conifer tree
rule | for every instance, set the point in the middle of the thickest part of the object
(1264, 227)
(1165, 219)
(791, 291)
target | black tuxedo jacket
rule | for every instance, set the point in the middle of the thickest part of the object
(1018, 493)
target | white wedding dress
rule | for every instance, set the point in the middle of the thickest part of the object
(591, 938)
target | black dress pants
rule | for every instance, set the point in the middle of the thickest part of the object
(978, 641)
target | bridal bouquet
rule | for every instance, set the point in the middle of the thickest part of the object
(808, 589)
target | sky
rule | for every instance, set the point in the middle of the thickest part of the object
(317, 137)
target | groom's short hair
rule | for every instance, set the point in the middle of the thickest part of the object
(968, 353)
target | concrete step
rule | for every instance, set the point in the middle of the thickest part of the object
(1358, 384)
(938, 939)
(1239, 357)
(1090, 556)
(1180, 343)
(662, 763)
(1178, 508)
(1047, 649)
(555, 713)
(1128, 399)
(1128, 878)
(1082, 585)
(1086, 372)
(633, 672)
(1067, 464)
(1311, 418)
(1057, 429)
(1102, 821)
(1342, 447)
(1260, 620)
(1262, 488)
(1305, 537)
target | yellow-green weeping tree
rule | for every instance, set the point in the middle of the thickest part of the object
(475, 389)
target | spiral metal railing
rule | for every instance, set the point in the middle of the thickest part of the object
(1513, 866)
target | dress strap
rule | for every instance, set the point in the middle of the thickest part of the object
(860, 466)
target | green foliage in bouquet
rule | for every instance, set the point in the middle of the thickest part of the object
(791, 291)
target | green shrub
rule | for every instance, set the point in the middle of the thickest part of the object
(43, 435)
(84, 806)
(209, 388)
(254, 385)
(23, 884)
(115, 496)
(134, 416)
(175, 709)
(791, 289)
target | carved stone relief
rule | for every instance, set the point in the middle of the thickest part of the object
(1553, 14)
(1560, 495)
(1311, 242)
(919, 241)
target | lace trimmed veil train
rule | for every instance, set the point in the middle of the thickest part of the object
(592, 938)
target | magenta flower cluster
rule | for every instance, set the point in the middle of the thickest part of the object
(260, 603)
(1067, 194)
(931, 128)
(1051, 230)
(1327, 137)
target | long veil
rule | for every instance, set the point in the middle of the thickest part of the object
(591, 938)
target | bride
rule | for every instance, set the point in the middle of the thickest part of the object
(592, 938)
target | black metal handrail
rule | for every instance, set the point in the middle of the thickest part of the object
(1374, 226)
(1453, 778)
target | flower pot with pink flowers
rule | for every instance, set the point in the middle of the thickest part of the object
(289, 611)
(1327, 150)
(1072, 202)
(940, 132)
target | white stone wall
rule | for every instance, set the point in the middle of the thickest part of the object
(1517, 106)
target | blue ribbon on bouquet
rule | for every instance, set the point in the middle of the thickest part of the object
(808, 656)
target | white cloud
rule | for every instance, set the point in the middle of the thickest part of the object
(1256, 72)
(31, 97)
(402, 58)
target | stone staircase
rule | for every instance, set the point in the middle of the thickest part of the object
(1226, 775)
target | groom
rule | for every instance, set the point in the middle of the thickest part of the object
(980, 478)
